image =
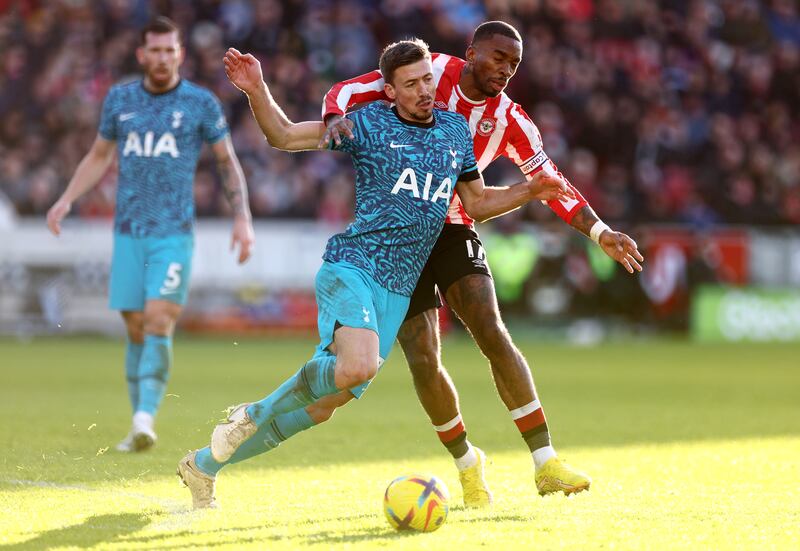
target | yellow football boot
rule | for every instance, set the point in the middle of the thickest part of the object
(473, 483)
(557, 476)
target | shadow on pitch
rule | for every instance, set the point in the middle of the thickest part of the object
(93, 531)
(483, 519)
(377, 533)
(252, 535)
(332, 538)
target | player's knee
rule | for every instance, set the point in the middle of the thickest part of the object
(366, 369)
(135, 332)
(134, 326)
(424, 366)
(158, 323)
(422, 357)
(492, 336)
(358, 371)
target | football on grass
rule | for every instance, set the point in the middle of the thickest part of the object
(416, 502)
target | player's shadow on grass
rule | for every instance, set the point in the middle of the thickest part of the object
(251, 534)
(239, 536)
(489, 517)
(375, 533)
(93, 531)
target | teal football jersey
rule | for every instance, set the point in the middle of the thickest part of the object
(406, 174)
(159, 137)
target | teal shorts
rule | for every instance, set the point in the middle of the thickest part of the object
(149, 268)
(347, 296)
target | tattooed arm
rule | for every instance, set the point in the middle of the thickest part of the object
(584, 219)
(526, 141)
(235, 189)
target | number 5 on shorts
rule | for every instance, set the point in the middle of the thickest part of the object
(173, 279)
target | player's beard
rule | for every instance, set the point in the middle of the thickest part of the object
(160, 77)
(487, 82)
(489, 90)
(422, 114)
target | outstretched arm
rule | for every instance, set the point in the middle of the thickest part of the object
(244, 71)
(582, 217)
(87, 175)
(527, 146)
(483, 203)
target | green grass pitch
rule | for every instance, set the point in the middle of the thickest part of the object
(690, 447)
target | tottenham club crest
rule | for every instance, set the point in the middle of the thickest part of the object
(486, 126)
(177, 116)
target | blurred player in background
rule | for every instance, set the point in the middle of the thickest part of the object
(156, 126)
(457, 266)
(409, 159)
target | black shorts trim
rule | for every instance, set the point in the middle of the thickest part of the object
(457, 253)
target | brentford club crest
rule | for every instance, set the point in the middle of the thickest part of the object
(486, 126)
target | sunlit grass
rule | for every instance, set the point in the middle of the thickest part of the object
(689, 447)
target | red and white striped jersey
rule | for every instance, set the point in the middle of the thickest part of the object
(498, 126)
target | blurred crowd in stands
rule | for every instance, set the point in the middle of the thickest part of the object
(658, 111)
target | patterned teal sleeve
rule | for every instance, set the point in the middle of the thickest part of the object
(108, 119)
(469, 169)
(214, 126)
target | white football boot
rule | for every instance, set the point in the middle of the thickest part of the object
(200, 484)
(229, 435)
(142, 437)
(126, 445)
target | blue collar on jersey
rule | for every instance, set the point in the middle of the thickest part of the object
(414, 123)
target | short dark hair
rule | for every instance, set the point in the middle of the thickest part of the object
(159, 25)
(487, 30)
(398, 54)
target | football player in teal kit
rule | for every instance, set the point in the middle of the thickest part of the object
(156, 126)
(409, 160)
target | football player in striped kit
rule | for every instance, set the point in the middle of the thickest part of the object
(409, 158)
(474, 88)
